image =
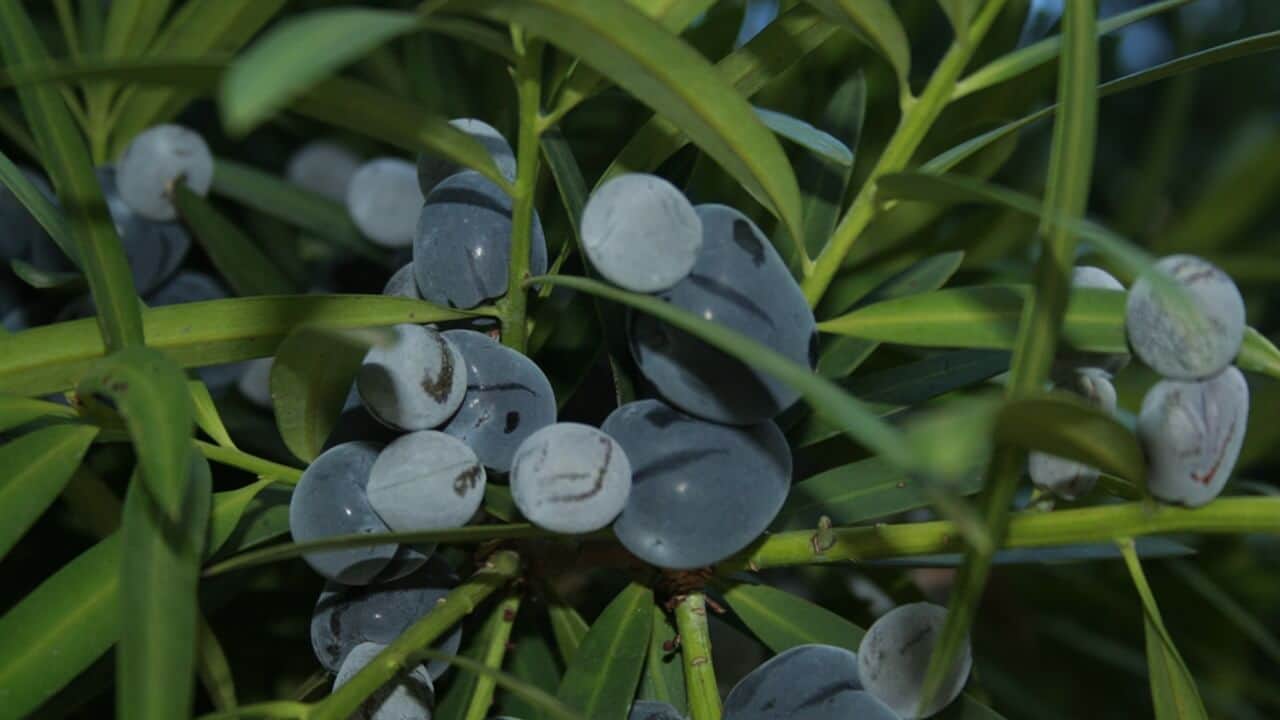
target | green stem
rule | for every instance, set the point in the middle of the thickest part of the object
(1026, 530)
(252, 463)
(917, 119)
(277, 709)
(498, 634)
(500, 569)
(695, 652)
(514, 307)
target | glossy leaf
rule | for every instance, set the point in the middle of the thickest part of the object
(238, 259)
(823, 183)
(877, 21)
(54, 357)
(37, 466)
(150, 393)
(601, 679)
(806, 136)
(846, 411)
(310, 382)
(159, 574)
(621, 42)
(230, 509)
(663, 678)
(1067, 426)
(60, 628)
(783, 621)
(1173, 689)
(298, 54)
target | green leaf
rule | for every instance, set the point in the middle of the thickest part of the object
(159, 574)
(827, 399)
(63, 282)
(543, 702)
(624, 45)
(131, 26)
(298, 54)
(150, 393)
(43, 209)
(60, 628)
(233, 507)
(37, 467)
(533, 663)
(54, 357)
(1173, 689)
(601, 679)
(823, 183)
(206, 413)
(786, 40)
(214, 668)
(566, 624)
(876, 21)
(269, 194)
(1067, 426)
(960, 13)
(663, 678)
(238, 259)
(455, 703)
(1024, 60)
(1217, 597)
(806, 136)
(858, 492)
(783, 621)
(18, 411)
(310, 382)
(66, 159)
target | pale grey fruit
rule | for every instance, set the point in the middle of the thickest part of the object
(432, 169)
(570, 478)
(384, 201)
(1192, 433)
(408, 697)
(403, 284)
(641, 233)
(158, 157)
(1069, 479)
(330, 500)
(1170, 342)
(255, 383)
(323, 167)
(1068, 360)
(653, 710)
(807, 682)
(426, 481)
(894, 657)
(414, 383)
(155, 250)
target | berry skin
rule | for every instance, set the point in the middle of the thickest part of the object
(1068, 479)
(403, 284)
(652, 710)
(383, 200)
(699, 491)
(740, 282)
(409, 697)
(807, 682)
(1192, 433)
(508, 399)
(570, 478)
(1177, 347)
(158, 157)
(641, 233)
(463, 245)
(330, 500)
(426, 481)
(1069, 362)
(155, 250)
(414, 383)
(324, 168)
(433, 170)
(894, 658)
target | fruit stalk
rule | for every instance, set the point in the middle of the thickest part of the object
(514, 307)
(695, 652)
(501, 568)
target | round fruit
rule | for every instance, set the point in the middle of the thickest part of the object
(894, 658)
(255, 382)
(699, 491)
(157, 158)
(653, 710)
(1069, 479)
(155, 250)
(344, 617)
(1179, 344)
(741, 283)
(403, 284)
(1192, 433)
(324, 168)
(570, 478)
(414, 383)
(330, 500)
(1069, 361)
(807, 682)
(508, 399)
(432, 170)
(463, 245)
(383, 200)
(641, 233)
(426, 481)
(408, 697)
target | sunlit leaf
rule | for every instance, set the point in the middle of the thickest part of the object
(602, 677)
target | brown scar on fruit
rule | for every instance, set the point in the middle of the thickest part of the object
(596, 485)
(466, 480)
(1217, 463)
(438, 387)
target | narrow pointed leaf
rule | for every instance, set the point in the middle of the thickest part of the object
(567, 625)
(823, 183)
(36, 468)
(663, 678)
(57, 281)
(206, 414)
(601, 679)
(877, 21)
(18, 411)
(534, 663)
(783, 621)
(1064, 425)
(42, 208)
(245, 267)
(214, 668)
(131, 26)
(807, 136)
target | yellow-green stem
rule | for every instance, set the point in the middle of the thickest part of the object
(252, 463)
(277, 709)
(514, 307)
(918, 117)
(695, 653)
(501, 568)
(499, 635)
